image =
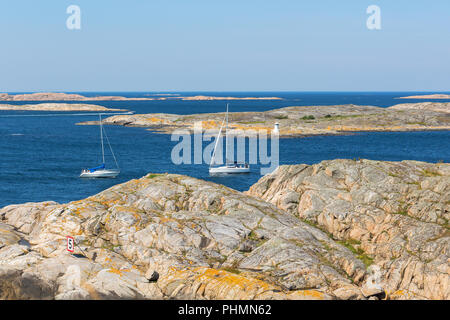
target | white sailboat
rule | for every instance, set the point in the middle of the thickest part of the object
(101, 171)
(230, 167)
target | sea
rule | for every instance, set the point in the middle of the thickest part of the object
(43, 153)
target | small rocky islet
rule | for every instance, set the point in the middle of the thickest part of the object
(428, 96)
(339, 229)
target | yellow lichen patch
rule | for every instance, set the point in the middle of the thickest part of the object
(132, 210)
(137, 216)
(84, 210)
(117, 271)
(403, 294)
(307, 294)
(251, 127)
(220, 284)
(382, 127)
(221, 279)
(109, 263)
(163, 220)
(231, 279)
(110, 203)
(290, 132)
(157, 120)
(209, 124)
(76, 202)
(107, 218)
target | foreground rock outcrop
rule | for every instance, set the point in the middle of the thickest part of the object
(395, 216)
(170, 236)
(340, 229)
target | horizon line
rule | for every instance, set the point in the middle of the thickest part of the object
(225, 91)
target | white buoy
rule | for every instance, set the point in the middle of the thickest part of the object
(276, 128)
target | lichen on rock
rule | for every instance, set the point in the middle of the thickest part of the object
(393, 215)
(340, 229)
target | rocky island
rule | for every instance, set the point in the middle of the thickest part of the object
(304, 120)
(60, 96)
(57, 107)
(428, 96)
(208, 98)
(340, 229)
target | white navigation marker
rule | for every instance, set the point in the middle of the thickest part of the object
(70, 244)
(276, 128)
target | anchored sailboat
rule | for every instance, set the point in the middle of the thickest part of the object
(101, 171)
(230, 166)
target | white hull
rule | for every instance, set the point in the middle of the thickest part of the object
(104, 173)
(229, 169)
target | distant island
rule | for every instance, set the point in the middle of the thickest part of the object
(59, 96)
(54, 96)
(428, 96)
(301, 121)
(57, 107)
(228, 98)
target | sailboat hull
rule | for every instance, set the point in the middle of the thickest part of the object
(104, 173)
(229, 170)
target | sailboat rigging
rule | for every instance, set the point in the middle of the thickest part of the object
(101, 171)
(229, 167)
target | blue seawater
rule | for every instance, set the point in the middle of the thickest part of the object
(41, 155)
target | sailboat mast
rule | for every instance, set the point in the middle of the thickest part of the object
(226, 128)
(213, 157)
(226, 139)
(101, 138)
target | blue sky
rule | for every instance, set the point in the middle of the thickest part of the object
(208, 45)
